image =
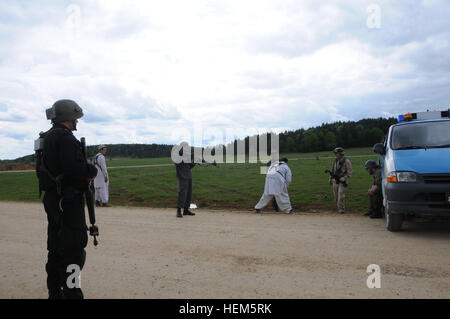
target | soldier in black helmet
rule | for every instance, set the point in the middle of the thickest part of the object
(340, 173)
(374, 193)
(63, 174)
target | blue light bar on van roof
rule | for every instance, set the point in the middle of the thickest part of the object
(423, 116)
(407, 117)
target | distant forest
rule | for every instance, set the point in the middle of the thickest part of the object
(348, 134)
(133, 150)
(326, 137)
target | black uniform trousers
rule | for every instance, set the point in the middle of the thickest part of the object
(67, 238)
(376, 202)
(184, 192)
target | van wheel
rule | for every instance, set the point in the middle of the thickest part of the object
(393, 221)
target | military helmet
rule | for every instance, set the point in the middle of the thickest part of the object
(370, 164)
(338, 150)
(64, 110)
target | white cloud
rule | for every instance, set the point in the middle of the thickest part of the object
(142, 69)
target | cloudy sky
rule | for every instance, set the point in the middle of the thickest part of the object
(155, 71)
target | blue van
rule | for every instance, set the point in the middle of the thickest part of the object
(415, 164)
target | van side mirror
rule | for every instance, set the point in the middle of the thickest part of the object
(379, 149)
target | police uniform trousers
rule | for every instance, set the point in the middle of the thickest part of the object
(67, 238)
(184, 192)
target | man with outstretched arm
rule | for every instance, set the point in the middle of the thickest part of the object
(183, 164)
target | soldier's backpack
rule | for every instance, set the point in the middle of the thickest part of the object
(42, 173)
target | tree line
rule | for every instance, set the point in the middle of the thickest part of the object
(326, 137)
(133, 150)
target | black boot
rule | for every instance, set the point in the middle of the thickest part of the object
(56, 294)
(275, 205)
(74, 293)
(179, 212)
(376, 214)
(188, 212)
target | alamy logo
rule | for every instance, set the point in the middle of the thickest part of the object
(256, 148)
(74, 279)
(374, 279)
(73, 20)
(374, 18)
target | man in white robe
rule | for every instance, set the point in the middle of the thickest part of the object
(101, 181)
(278, 179)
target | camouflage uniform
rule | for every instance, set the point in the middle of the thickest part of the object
(343, 168)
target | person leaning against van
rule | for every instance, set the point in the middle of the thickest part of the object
(374, 193)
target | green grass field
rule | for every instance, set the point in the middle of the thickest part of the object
(227, 186)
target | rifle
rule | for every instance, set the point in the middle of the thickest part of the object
(208, 163)
(89, 195)
(336, 177)
(196, 160)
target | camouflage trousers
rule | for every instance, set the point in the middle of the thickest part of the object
(339, 196)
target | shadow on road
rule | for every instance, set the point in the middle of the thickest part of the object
(426, 229)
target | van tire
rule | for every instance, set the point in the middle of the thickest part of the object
(393, 221)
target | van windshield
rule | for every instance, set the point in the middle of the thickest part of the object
(421, 135)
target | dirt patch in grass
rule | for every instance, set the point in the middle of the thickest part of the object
(129, 199)
(16, 167)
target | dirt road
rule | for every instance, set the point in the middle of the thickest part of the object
(149, 253)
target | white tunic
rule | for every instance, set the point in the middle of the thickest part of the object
(278, 178)
(101, 187)
(102, 171)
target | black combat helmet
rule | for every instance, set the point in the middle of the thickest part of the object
(370, 164)
(64, 110)
(338, 150)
